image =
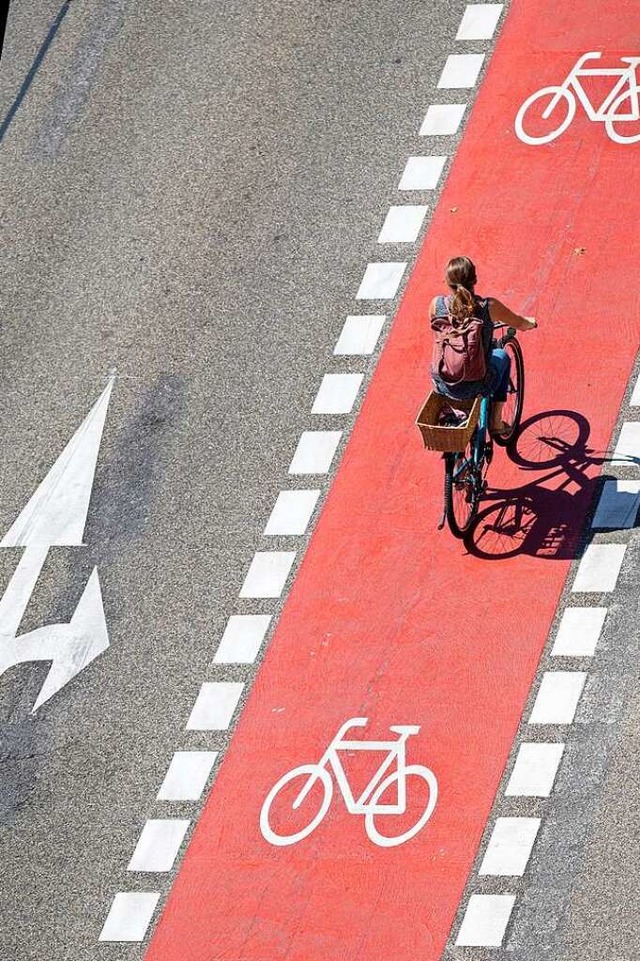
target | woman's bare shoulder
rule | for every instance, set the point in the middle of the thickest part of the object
(499, 312)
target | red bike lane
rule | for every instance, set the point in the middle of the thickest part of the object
(394, 622)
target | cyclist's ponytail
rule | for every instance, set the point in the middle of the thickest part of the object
(461, 278)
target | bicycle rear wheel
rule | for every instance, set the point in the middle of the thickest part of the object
(512, 410)
(461, 490)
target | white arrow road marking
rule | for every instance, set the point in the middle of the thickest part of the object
(56, 515)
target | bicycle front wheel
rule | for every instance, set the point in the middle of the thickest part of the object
(627, 120)
(412, 773)
(512, 410)
(461, 490)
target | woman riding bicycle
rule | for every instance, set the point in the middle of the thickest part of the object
(457, 309)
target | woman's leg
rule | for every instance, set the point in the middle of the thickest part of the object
(501, 364)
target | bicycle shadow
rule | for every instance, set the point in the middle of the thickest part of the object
(545, 517)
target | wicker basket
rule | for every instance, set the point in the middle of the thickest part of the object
(450, 439)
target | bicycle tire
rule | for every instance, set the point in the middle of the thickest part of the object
(461, 498)
(309, 770)
(513, 415)
(611, 120)
(529, 102)
(384, 840)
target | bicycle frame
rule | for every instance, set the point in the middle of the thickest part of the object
(626, 76)
(397, 752)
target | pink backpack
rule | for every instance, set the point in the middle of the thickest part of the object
(458, 350)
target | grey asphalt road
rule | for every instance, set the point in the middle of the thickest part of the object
(190, 193)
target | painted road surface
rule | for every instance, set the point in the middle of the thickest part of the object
(389, 621)
(187, 198)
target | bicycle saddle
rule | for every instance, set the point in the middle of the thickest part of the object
(405, 728)
(630, 59)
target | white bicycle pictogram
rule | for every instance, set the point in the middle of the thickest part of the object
(369, 802)
(571, 90)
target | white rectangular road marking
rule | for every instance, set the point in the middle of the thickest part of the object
(158, 845)
(579, 632)
(635, 397)
(242, 638)
(381, 281)
(402, 224)
(558, 697)
(187, 775)
(479, 21)
(485, 920)
(599, 568)
(461, 71)
(618, 505)
(422, 173)
(315, 452)
(627, 451)
(442, 119)
(510, 847)
(267, 574)
(215, 705)
(535, 770)
(360, 334)
(129, 916)
(292, 512)
(337, 393)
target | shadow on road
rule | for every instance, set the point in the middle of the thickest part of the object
(545, 517)
(39, 57)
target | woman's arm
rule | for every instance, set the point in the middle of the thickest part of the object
(500, 314)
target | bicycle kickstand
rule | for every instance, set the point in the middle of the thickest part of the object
(443, 519)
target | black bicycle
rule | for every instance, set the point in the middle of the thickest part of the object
(465, 471)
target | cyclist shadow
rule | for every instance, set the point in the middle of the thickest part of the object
(545, 517)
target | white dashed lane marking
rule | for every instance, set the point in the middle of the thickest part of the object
(485, 920)
(381, 281)
(402, 224)
(599, 568)
(535, 770)
(579, 632)
(618, 505)
(461, 71)
(442, 119)
(479, 21)
(215, 706)
(187, 775)
(422, 173)
(292, 512)
(337, 394)
(627, 450)
(315, 452)
(129, 916)
(360, 334)
(558, 697)
(510, 847)
(242, 638)
(267, 574)
(158, 845)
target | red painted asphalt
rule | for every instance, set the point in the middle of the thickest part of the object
(391, 620)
